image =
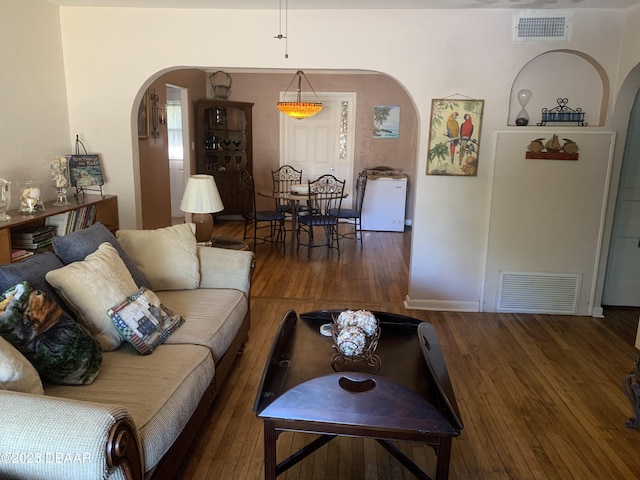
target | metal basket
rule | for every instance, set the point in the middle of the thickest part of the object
(367, 356)
(220, 85)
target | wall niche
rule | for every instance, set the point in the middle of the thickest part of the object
(572, 76)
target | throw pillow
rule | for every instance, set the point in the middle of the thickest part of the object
(167, 256)
(91, 287)
(16, 373)
(32, 270)
(143, 321)
(60, 349)
(75, 246)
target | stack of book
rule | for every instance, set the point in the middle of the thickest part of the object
(31, 237)
(73, 220)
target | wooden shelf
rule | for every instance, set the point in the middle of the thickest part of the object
(106, 213)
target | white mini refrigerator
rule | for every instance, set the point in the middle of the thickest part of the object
(384, 203)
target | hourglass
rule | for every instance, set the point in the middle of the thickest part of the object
(522, 118)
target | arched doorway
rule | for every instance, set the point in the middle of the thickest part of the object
(621, 121)
(262, 89)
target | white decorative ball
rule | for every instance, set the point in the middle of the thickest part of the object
(366, 321)
(351, 341)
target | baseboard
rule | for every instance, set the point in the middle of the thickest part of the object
(441, 305)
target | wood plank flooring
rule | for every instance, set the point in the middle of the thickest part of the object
(540, 395)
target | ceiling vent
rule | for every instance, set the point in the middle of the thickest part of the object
(541, 27)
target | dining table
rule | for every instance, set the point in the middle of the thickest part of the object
(294, 200)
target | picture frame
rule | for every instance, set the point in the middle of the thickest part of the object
(143, 116)
(386, 121)
(454, 137)
(85, 170)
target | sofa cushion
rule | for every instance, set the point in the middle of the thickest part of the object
(75, 246)
(212, 317)
(33, 270)
(93, 286)
(16, 373)
(60, 349)
(167, 256)
(143, 321)
(160, 391)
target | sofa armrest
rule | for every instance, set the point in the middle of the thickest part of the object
(44, 437)
(225, 268)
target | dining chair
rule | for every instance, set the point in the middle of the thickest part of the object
(354, 214)
(283, 178)
(271, 219)
(325, 196)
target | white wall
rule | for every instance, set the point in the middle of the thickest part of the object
(111, 53)
(34, 123)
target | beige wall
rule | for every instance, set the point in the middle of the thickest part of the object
(34, 118)
(371, 89)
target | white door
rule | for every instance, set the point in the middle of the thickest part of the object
(323, 143)
(622, 280)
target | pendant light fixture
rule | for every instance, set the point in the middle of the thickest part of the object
(299, 109)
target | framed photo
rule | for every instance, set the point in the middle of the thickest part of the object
(454, 137)
(143, 116)
(386, 121)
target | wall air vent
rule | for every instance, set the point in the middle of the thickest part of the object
(541, 27)
(536, 292)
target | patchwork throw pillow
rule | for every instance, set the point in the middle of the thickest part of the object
(91, 287)
(167, 256)
(75, 246)
(16, 373)
(143, 321)
(33, 270)
(60, 349)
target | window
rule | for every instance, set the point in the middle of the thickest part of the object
(174, 130)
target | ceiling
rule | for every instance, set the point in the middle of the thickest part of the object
(354, 4)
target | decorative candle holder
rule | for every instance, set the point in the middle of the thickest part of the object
(59, 167)
(5, 199)
(31, 198)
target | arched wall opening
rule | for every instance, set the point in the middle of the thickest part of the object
(262, 88)
(562, 74)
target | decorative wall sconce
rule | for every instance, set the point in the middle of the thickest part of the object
(158, 114)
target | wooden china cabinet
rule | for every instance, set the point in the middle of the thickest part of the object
(224, 146)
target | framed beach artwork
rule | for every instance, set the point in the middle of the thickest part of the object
(454, 137)
(386, 121)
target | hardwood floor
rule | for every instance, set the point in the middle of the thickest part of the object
(540, 395)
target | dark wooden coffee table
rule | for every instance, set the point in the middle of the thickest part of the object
(408, 398)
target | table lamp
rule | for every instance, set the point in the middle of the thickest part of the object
(201, 198)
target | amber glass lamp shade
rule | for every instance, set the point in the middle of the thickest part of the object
(300, 109)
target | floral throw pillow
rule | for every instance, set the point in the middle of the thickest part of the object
(60, 349)
(143, 321)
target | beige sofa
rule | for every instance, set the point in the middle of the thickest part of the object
(140, 414)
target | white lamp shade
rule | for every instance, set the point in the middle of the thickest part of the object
(201, 195)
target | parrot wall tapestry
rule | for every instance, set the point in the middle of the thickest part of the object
(454, 138)
(386, 121)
